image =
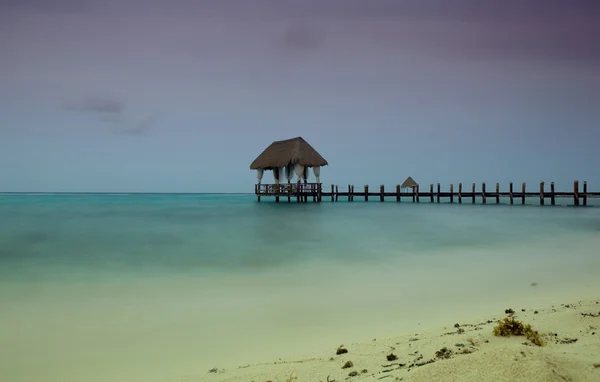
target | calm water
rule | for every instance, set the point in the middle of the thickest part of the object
(151, 287)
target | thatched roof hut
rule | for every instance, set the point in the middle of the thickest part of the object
(293, 155)
(409, 183)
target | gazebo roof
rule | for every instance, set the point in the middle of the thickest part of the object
(289, 151)
(409, 182)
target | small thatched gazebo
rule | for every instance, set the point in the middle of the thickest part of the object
(409, 183)
(290, 156)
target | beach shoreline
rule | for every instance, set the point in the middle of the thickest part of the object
(460, 351)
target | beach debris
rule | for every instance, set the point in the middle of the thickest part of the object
(330, 380)
(535, 312)
(457, 325)
(510, 326)
(348, 365)
(341, 350)
(568, 340)
(413, 339)
(467, 351)
(291, 378)
(533, 284)
(591, 314)
(471, 341)
(391, 357)
(597, 365)
(213, 370)
(353, 374)
(364, 371)
(509, 311)
(443, 353)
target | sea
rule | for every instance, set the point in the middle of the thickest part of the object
(161, 287)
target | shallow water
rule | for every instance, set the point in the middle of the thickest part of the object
(150, 287)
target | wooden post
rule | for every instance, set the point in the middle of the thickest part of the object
(319, 192)
(349, 193)
(585, 193)
(541, 193)
(438, 193)
(460, 193)
(417, 194)
(451, 193)
(414, 193)
(332, 192)
(552, 196)
(510, 192)
(497, 193)
(366, 192)
(337, 192)
(397, 192)
(257, 191)
(289, 191)
(277, 193)
(576, 192)
(473, 193)
(483, 201)
(431, 192)
(298, 196)
(523, 188)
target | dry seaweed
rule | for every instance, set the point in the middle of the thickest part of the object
(510, 326)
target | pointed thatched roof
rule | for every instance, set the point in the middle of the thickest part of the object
(289, 151)
(409, 182)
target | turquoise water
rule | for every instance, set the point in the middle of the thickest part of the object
(151, 287)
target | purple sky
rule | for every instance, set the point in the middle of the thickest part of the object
(182, 95)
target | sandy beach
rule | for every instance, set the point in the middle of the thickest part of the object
(460, 351)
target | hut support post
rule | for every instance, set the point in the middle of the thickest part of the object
(332, 192)
(552, 196)
(473, 193)
(381, 193)
(397, 192)
(438, 192)
(431, 193)
(289, 191)
(523, 189)
(257, 191)
(576, 192)
(277, 193)
(460, 193)
(299, 192)
(417, 193)
(585, 193)
(541, 193)
(510, 192)
(366, 192)
(451, 193)
(337, 192)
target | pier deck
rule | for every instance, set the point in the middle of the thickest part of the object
(302, 192)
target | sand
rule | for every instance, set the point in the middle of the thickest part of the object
(571, 352)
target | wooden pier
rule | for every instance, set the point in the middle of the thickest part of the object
(303, 192)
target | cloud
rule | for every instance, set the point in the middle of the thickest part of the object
(114, 112)
(301, 38)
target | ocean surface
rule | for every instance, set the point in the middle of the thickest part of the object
(97, 287)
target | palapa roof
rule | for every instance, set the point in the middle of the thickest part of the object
(409, 182)
(290, 151)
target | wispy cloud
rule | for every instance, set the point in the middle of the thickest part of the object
(114, 112)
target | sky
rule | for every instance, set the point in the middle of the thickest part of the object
(182, 95)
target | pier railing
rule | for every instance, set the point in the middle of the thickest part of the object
(301, 191)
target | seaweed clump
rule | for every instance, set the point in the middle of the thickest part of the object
(510, 326)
